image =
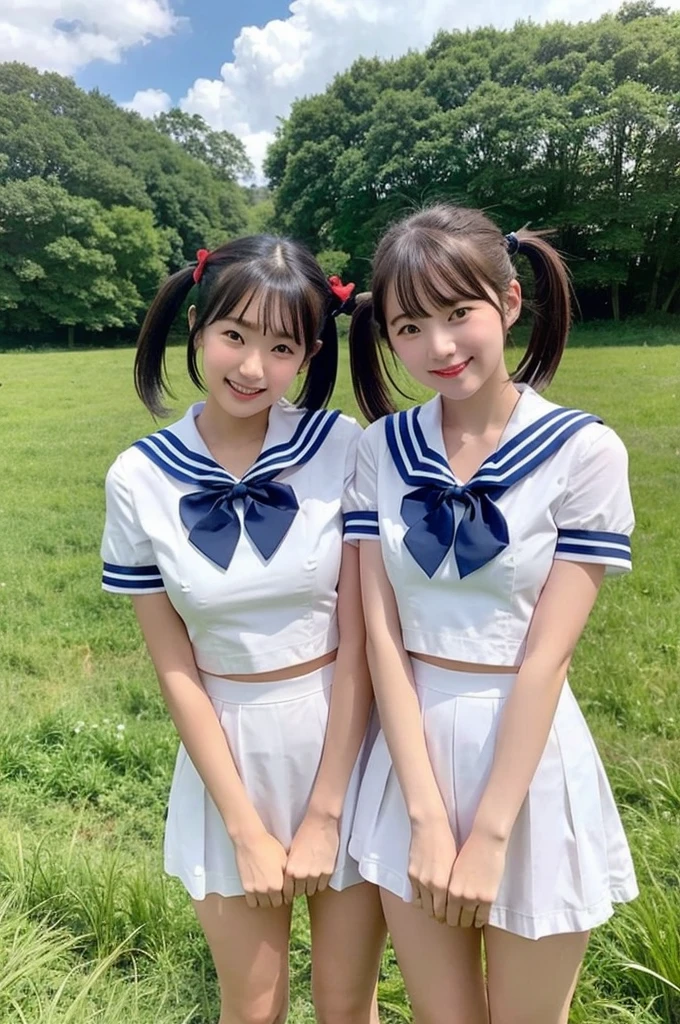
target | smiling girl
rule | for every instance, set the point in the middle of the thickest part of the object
(225, 528)
(484, 809)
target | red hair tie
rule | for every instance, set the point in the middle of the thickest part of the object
(202, 257)
(341, 291)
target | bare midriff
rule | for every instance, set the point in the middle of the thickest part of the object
(463, 666)
(281, 674)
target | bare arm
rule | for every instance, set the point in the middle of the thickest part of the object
(559, 619)
(314, 852)
(351, 698)
(432, 843)
(201, 733)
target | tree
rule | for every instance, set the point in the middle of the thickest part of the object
(67, 261)
(219, 150)
(570, 126)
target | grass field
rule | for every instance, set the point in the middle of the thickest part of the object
(89, 929)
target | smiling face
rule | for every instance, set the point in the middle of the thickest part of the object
(249, 359)
(456, 348)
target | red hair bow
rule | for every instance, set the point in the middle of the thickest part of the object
(341, 291)
(202, 257)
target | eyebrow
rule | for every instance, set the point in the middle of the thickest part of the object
(256, 327)
(404, 316)
(428, 316)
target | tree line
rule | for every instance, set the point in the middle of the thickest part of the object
(575, 127)
(572, 127)
(97, 204)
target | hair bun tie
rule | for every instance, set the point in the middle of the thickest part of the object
(342, 294)
(202, 257)
(512, 243)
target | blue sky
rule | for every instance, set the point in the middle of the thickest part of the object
(197, 50)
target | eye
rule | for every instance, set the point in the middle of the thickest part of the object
(408, 330)
(233, 336)
(283, 349)
(460, 313)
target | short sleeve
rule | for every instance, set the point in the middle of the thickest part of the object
(126, 551)
(360, 504)
(595, 518)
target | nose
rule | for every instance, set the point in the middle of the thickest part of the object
(251, 366)
(442, 345)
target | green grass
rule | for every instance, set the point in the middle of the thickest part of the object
(89, 928)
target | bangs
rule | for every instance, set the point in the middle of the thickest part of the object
(286, 303)
(428, 269)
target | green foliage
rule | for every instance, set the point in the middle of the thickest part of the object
(96, 204)
(333, 261)
(220, 150)
(569, 126)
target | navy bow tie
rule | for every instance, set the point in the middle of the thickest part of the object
(269, 509)
(428, 512)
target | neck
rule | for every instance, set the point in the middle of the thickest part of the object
(488, 409)
(218, 427)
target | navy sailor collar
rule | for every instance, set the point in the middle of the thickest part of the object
(535, 430)
(293, 437)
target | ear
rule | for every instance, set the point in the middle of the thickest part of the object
(191, 317)
(316, 348)
(513, 303)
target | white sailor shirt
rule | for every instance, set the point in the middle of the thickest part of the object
(250, 565)
(467, 562)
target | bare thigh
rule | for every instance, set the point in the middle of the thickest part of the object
(348, 937)
(532, 981)
(250, 952)
(441, 966)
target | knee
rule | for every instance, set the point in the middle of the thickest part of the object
(336, 1007)
(263, 1012)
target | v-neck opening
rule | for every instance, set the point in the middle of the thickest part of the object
(523, 390)
(196, 411)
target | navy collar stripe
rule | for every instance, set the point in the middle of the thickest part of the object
(399, 443)
(537, 441)
(418, 464)
(170, 468)
(167, 452)
(428, 454)
(196, 457)
(310, 418)
(527, 461)
(297, 455)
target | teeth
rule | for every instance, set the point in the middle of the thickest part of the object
(244, 391)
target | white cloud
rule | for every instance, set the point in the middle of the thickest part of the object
(299, 55)
(64, 35)
(149, 102)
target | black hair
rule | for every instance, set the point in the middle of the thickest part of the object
(296, 300)
(446, 253)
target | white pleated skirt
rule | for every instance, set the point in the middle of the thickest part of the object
(568, 860)
(276, 733)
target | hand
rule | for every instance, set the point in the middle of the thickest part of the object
(431, 857)
(261, 862)
(312, 856)
(475, 881)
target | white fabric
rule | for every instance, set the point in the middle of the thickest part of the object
(574, 505)
(276, 733)
(257, 615)
(568, 860)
